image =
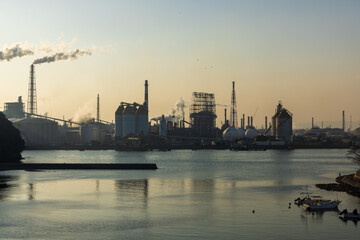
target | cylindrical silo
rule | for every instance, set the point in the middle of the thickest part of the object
(128, 120)
(284, 126)
(118, 121)
(142, 121)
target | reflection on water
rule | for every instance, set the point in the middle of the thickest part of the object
(7, 185)
(132, 190)
(31, 191)
(194, 194)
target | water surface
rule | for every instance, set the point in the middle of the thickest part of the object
(193, 194)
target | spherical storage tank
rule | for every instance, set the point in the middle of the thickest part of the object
(232, 133)
(251, 133)
(142, 120)
(118, 121)
(128, 120)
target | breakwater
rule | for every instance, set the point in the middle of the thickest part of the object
(78, 166)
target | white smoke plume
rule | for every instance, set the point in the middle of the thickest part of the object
(63, 56)
(15, 51)
(176, 113)
(83, 113)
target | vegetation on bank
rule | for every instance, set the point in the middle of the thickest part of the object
(11, 142)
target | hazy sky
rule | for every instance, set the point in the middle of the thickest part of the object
(305, 53)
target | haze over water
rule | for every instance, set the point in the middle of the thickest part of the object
(193, 194)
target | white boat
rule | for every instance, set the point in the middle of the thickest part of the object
(309, 199)
(354, 215)
(322, 205)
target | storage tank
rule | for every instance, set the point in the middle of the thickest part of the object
(118, 121)
(90, 133)
(284, 126)
(128, 120)
(38, 131)
(230, 133)
(142, 121)
(251, 133)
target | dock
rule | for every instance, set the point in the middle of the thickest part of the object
(78, 166)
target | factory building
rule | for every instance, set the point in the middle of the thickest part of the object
(203, 114)
(14, 110)
(131, 119)
(282, 124)
(38, 131)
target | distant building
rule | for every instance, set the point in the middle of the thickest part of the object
(38, 131)
(14, 110)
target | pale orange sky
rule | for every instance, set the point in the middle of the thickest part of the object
(305, 53)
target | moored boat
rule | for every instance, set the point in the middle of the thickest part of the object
(354, 215)
(322, 205)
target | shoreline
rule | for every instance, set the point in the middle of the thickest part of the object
(345, 183)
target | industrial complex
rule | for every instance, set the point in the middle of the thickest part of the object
(133, 130)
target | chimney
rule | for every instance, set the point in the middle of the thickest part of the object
(251, 125)
(248, 121)
(312, 122)
(225, 115)
(343, 123)
(98, 109)
(146, 103)
(32, 105)
(243, 120)
(266, 123)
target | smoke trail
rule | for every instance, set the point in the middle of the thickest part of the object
(177, 113)
(16, 51)
(63, 56)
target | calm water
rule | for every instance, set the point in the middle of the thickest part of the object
(194, 195)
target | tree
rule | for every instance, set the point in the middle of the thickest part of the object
(11, 142)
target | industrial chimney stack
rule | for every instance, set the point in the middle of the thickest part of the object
(343, 121)
(32, 105)
(146, 103)
(98, 109)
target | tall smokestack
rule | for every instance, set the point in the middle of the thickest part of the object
(266, 123)
(225, 115)
(248, 121)
(146, 103)
(312, 122)
(251, 125)
(343, 123)
(32, 105)
(243, 119)
(98, 109)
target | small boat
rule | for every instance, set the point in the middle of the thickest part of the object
(322, 205)
(308, 199)
(354, 215)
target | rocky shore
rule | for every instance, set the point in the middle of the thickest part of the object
(347, 183)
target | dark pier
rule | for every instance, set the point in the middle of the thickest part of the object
(78, 166)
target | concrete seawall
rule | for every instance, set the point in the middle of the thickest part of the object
(78, 166)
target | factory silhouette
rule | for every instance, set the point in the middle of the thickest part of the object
(133, 130)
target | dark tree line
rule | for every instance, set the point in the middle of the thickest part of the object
(354, 155)
(11, 142)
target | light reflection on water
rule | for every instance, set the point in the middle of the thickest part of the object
(194, 194)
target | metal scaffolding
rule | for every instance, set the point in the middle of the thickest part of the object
(203, 114)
